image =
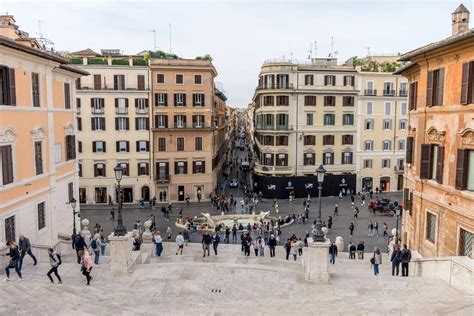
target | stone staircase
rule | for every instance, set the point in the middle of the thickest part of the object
(227, 284)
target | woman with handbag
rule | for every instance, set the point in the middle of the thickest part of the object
(14, 261)
(376, 260)
(86, 265)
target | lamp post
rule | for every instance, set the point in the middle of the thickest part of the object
(73, 205)
(397, 212)
(318, 232)
(120, 230)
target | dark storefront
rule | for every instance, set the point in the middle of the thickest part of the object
(280, 187)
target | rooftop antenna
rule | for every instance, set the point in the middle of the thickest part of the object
(332, 47)
(310, 51)
(291, 56)
(315, 49)
(368, 51)
(46, 43)
(154, 37)
(170, 37)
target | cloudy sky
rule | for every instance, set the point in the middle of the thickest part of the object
(239, 35)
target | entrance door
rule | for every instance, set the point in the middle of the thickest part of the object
(384, 183)
(127, 195)
(180, 192)
(367, 184)
(198, 192)
(400, 182)
(82, 195)
(146, 193)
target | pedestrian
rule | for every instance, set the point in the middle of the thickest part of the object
(376, 229)
(96, 245)
(168, 233)
(112, 214)
(330, 222)
(246, 241)
(158, 242)
(271, 245)
(336, 213)
(261, 246)
(370, 229)
(136, 242)
(362, 203)
(294, 248)
(14, 262)
(385, 228)
(54, 261)
(206, 242)
(216, 239)
(255, 246)
(406, 258)
(333, 253)
(103, 243)
(86, 265)
(186, 237)
(352, 251)
(234, 233)
(79, 244)
(25, 248)
(396, 259)
(351, 229)
(180, 243)
(300, 247)
(287, 247)
(360, 250)
(356, 212)
(187, 199)
(376, 260)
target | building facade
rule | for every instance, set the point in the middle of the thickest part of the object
(38, 175)
(439, 200)
(113, 118)
(188, 128)
(382, 120)
(304, 117)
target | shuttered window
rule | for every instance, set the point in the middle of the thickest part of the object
(140, 82)
(308, 80)
(465, 169)
(38, 158)
(119, 82)
(309, 159)
(199, 166)
(430, 227)
(431, 162)
(467, 84)
(435, 87)
(309, 140)
(413, 96)
(97, 82)
(347, 101)
(7, 164)
(161, 144)
(67, 96)
(70, 147)
(409, 152)
(181, 167)
(198, 143)
(7, 86)
(466, 240)
(329, 101)
(309, 100)
(425, 161)
(328, 139)
(35, 89)
(41, 215)
(180, 144)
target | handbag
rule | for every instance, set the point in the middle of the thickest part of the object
(372, 260)
(12, 264)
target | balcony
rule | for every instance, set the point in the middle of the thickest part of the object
(121, 110)
(110, 88)
(141, 111)
(403, 93)
(179, 125)
(98, 110)
(388, 92)
(279, 170)
(274, 127)
(370, 92)
(398, 169)
(162, 178)
(275, 86)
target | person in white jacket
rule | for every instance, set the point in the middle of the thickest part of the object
(180, 243)
(54, 261)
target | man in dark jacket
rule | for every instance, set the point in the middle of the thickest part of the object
(14, 261)
(216, 239)
(287, 247)
(271, 245)
(25, 248)
(333, 253)
(79, 244)
(360, 250)
(406, 258)
(206, 242)
(396, 258)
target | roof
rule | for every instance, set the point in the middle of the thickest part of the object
(405, 68)
(468, 34)
(85, 52)
(461, 9)
(5, 41)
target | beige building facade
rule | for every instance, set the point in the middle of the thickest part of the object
(38, 174)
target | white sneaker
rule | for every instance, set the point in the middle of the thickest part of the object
(20, 279)
(7, 279)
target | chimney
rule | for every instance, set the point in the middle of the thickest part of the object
(460, 19)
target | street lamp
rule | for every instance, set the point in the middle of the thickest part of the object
(397, 212)
(318, 232)
(120, 230)
(73, 205)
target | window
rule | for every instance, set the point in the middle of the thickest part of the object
(403, 108)
(99, 147)
(281, 160)
(79, 147)
(268, 140)
(198, 99)
(7, 164)
(281, 140)
(160, 78)
(119, 82)
(121, 105)
(309, 159)
(10, 233)
(7, 86)
(388, 89)
(268, 160)
(70, 147)
(140, 82)
(97, 105)
(161, 121)
(161, 144)
(58, 153)
(78, 106)
(98, 123)
(329, 101)
(79, 165)
(369, 124)
(347, 139)
(369, 108)
(179, 79)
(387, 145)
(412, 98)
(348, 119)
(67, 96)
(143, 146)
(141, 106)
(388, 108)
(199, 166)
(268, 100)
(161, 99)
(401, 144)
(143, 169)
(329, 80)
(122, 124)
(309, 140)
(435, 87)
(385, 163)
(99, 170)
(466, 239)
(282, 121)
(142, 124)
(180, 144)
(400, 164)
(41, 215)
(329, 119)
(181, 167)
(402, 125)
(309, 119)
(79, 123)
(465, 170)
(126, 169)
(197, 79)
(98, 82)
(180, 99)
(38, 158)
(180, 121)
(70, 191)
(35, 88)
(328, 139)
(282, 100)
(349, 81)
(368, 145)
(162, 171)
(328, 158)
(308, 80)
(467, 83)
(310, 100)
(368, 163)
(122, 146)
(347, 101)
(370, 89)
(387, 124)
(403, 89)
(431, 162)
(198, 143)
(101, 195)
(430, 227)
(346, 158)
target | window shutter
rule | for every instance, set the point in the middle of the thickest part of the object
(94, 147)
(97, 82)
(7, 164)
(96, 173)
(147, 146)
(102, 119)
(136, 102)
(93, 127)
(425, 161)
(67, 96)
(175, 167)
(147, 124)
(166, 121)
(166, 99)
(128, 146)
(353, 81)
(461, 169)
(146, 102)
(12, 83)
(409, 152)
(141, 82)
(116, 123)
(127, 123)
(138, 146)
(440, 164)
(92, 102)
(185, 167)
(325, 80)
(126, 102)
(175, 99)
(203, 100)
(410, 97)
(136, 123)
(105, 146)
(115, 82)
(465, 83)
(345, 80)
(117, 146)
(203, 166)
(429, 89)
(440, 87)
(116, 102)
(184, 99)
(415, 95)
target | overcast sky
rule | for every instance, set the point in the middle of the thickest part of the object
(239, 35)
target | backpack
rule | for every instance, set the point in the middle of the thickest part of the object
(59, 258)
(94, 244)
(399, 256)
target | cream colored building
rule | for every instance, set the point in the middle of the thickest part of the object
(305, 116)
(382, 120)
(38, 173)
(113, 113)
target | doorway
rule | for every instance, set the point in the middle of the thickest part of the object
(198, 192)
(82, 195)
(145, 193)
(400, 182)
(180, 192)
(367, 184)
(384, 184)
(127, 195)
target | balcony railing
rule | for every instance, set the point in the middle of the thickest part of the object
(97, 110)
(274, 127)
(273, 169)
(162, 178)
(275, 86)
(403, 93)
(111, 87)
(121, 110)
(388, 92)
(371, 92)
(142, 111)
(179, 125)
(398, 169)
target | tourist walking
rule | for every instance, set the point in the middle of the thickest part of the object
(216, 239)
(206, 242)
(234, 233)
(294, 248)
(385, 228)
(168, 233)
(54, 261)
(336, 212)
(261, 246)
(158, 242)
(376, 229)
(351, 229)
(333, 253)
(86, 265)
(103, 243)
(14, 262)
(246, 242)
(396, 258)
(287, 247)
(255, 246)
(79, 244)
(406, 258)
(356, 212)
(96, 245)
(370, 229)
(186, 237)
(271, 245)
(25, 248)
(180, 243)
(112, 215)
(352, 251)
(376, 260)
(330, 222)
(360, 250)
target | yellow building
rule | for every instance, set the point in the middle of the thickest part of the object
(113, 126)
(38, 175)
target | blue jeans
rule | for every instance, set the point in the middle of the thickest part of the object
(376, 269)
(97, 255)
(295, 256)
(16, 265)
(159, 249)
(262, 250)
(333, 258)
(102, 248)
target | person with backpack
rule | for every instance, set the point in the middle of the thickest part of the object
(406, 258)
(206, 242)
(216, 239)
(79, 244)
(96, 246)
(55, 262)
(86, 265)
(14, 261)
(272, 245)
(396, 258)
